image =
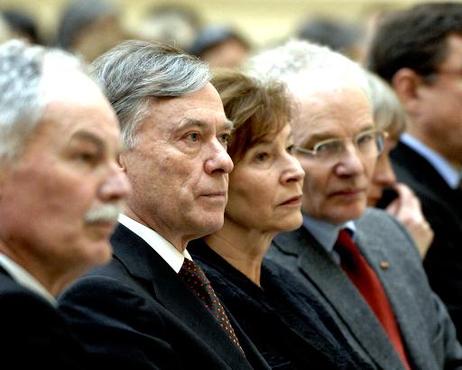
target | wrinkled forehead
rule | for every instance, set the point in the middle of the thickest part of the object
(330, 112)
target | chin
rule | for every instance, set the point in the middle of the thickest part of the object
(210, 223)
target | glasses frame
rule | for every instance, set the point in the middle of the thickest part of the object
(380, 137)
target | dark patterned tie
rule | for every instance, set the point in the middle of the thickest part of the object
(366, 281)
(194, 278)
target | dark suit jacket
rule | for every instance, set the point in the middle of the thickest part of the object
(290, 329)
(442, 207)
(427, 331)
(136, 314)
(33, 335)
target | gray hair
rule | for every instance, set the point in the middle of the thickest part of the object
(389, 114)
(299, 62)
(135, 72)
(24, 71)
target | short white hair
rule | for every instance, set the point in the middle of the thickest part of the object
(24, 72)
(304, 65)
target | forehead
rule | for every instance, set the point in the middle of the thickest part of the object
(65, 116)
(203, 106)
(339, 112)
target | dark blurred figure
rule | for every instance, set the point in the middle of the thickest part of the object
(89, 28)
(22, 25)
(221, 46)
(346, 38)
(173, 24)
(419, 52)
(384, 190)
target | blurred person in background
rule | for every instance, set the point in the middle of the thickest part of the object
(173, 24)
(418, 51)
(60, 195)
(384, 191)
(361, 262)
(341, 36)
(221, 46)
(89, 28)
(22, 25)
(286, 323)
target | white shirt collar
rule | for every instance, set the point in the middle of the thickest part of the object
(24, 278)
(162, 246)
(447, 171)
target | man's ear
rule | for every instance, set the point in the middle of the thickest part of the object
(406, 84)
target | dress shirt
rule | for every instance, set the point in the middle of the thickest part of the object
(162, 246)
(326, 233)
(24, 278)
(447, 171)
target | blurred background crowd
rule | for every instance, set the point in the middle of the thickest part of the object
(222, 32)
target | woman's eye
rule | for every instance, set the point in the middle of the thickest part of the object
(262, 157)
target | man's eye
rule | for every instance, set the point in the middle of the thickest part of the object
(224, 139)
(326, 147)
(87, 157)
(365, 138)
(291, 149)
(193, 137)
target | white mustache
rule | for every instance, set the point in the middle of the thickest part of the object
(105, 213)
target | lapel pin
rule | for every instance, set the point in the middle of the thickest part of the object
(384, 265)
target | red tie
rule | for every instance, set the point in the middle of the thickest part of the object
(194, 278)
(368, 284)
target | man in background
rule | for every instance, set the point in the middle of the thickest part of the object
(419, 52)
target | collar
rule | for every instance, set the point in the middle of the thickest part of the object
(326, 233)
(162, 246)
(446, 170)
(24, 278)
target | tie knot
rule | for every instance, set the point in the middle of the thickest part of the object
(192, 273)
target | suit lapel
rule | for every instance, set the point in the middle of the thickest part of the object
(151, 271)
(340, 294)
(398, 294)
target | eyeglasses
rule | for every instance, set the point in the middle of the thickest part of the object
(368, 143)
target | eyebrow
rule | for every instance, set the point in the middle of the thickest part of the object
(327, 136)
(192, 122)
(87, 136)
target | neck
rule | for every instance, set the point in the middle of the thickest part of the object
(244, 249)
(180, 242)
(426, 139)
(53, 280)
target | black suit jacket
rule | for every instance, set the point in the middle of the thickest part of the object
(135, 313)
(442, 207)
(287, 324)
(33, 335)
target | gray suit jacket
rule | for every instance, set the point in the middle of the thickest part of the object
(427, 331)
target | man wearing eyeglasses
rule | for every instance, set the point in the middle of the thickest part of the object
(361, 263)
(424, 66)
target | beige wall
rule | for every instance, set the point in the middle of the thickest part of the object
(261, 20)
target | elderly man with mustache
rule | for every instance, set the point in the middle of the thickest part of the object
(60, 194)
